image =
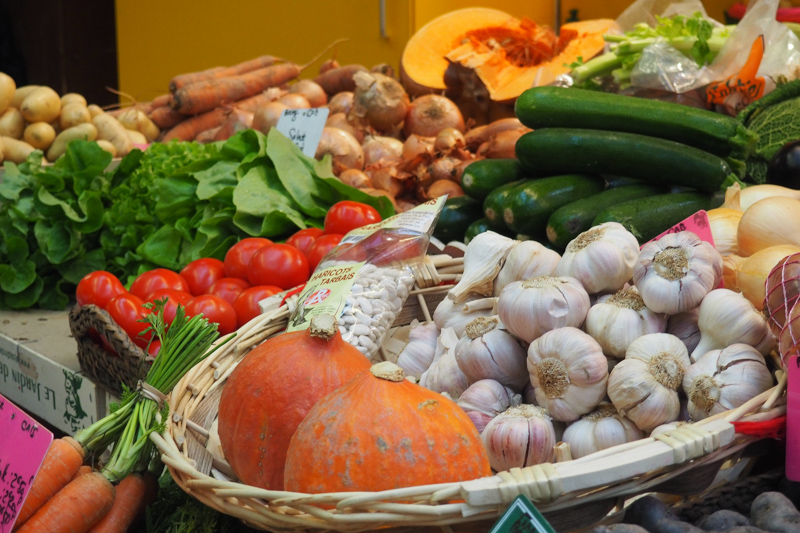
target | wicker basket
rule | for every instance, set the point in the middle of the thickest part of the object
(128, 365)
(684, 461)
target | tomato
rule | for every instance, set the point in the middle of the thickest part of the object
(159, 278)
(303, 239)
(200, 274)
(173, 299)
(246, 304)
(228, 288)
(126, 310)
(347, 215)
(320, 249)
(154, 348)
(280, 265)
(98, 288)
(239, 255)
(215, 309)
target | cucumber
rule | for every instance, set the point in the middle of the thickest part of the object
(569, 221)
(557, 107)
(612, 182)
(529, 205)
(552, 151)
(648, 217)
(493, 204)
(456, 215)
(477, 227)
(482, 177)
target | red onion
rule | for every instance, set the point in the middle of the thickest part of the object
(381, 150)
(379, 100)
(315, 94)
(430, 114)
(343, 147)
(266, 117)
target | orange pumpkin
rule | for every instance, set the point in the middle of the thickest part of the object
(507, 54)
(271, 391)
(380, 432)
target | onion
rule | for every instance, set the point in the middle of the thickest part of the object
(385, 179)
(748, 275)
(449, 139)
(381, 149)
(445, 168)
(442, 187)
(236, 122)
(503, 145)
(266, 117)
(341, 102)
(343, 147)
(383, 68)
(769, 222)
(430, 114)
(339, 120)
(313, 92)
(416, 146)
(355, 178)
(294, 101)
(379, 100)
(482, 134)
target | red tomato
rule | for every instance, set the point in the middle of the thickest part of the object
(159, 278)
(228, 288)
(320, 249)
(246, 304)
(98, 288)
(215, 309)
(126, 310)
(347, 215)
(200, 274)
(154, 348)
(280, 265)
(239, 255)
(303, 239)
(173, 299)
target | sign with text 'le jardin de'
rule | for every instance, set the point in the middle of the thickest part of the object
(522, 517)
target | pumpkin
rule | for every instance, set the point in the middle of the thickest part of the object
(507, 54)
(379, 432)
(271, 391)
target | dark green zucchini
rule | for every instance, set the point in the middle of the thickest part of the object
(455, 217)
(493, 204)
(482, 177)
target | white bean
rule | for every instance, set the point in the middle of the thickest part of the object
(360, 329)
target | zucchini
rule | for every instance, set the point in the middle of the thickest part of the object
(493, 204)
(482, 177)
(552, 151)
(612, 182)
(529, 205)
(648, 217)
(476, 228)
(456, 215)
(569, 221)
(557, 107)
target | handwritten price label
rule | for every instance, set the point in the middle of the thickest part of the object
(24, 444)
(303, 127)
(793, 419)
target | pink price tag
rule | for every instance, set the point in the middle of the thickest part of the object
(697, 224)
(24, 444)
(793, 419)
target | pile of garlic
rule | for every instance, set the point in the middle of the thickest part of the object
(594, 348)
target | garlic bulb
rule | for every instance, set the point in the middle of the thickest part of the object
(769, 222)
(726, 318)
(644, 387)
(488, 351)
(684, 326)
(674, 273)
(724, 223)
(530, 308)
(529, 394)
(618, 319)
(485, 399)
(483, 260)
(568, 371)
(748, 275)
(725, 379)
(444, 374)
(602, 428)
(526, 260)
(521, 436)
(418, 354)
(601, 258)
(449, 314)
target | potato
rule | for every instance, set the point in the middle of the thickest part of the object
(95, 110)
(73, 98)
(136, 137)
(40, 135)
(107, 146)
(109, 129)
(7, 88)
(772, 511)
(21, 93)
(42, 105)
(16, 151)
(72, 115)
(11, 123)
(134, 119)
(82, 131)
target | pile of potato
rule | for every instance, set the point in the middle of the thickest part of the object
(35, 118)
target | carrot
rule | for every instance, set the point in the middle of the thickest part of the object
(165, 117)
(191, 127)
(340, 79)
(182, 80)
(61, 462)
(128, 497)
(161, 100)
(205, 96)
(75, 508)
(85, 469)
(207, 136)
(259, 100)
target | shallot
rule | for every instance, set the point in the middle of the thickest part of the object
(382, 150)
(343, 147)
(477, 136)
(442, 187)
(339, 120)
(312, 91)
(355, 178)
(294, 101)
(503, 145)
(430, 114)
(341, 102)
(266, 117)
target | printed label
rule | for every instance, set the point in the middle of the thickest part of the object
(522, 517)
(304, 127)
(324, 294)
(697, 224)
(793, 419)
(418, 220)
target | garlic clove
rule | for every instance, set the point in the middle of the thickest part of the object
(684, 326)
(489, 352)
(444, 374)
(602, 428)
(418, 353)
(483, 260)
(449, 314)
(526, 260)
(485, 399)
(519, 437)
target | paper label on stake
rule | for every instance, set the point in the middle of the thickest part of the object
(793, 419)
(304, 127)
(24, 444)
(522, 517)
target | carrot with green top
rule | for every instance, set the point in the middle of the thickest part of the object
(182, 80)
(128, 498)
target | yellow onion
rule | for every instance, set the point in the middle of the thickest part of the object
(724, 223)
(742, 199)
(748, 275)
(769, 222)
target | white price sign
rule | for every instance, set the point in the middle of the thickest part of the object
(304, 127)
